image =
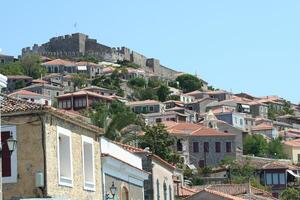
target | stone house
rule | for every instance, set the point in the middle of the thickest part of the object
(100, 90)
(235, 119)
(81, 100)
(208, 194)
(153, 118)
(46, 90)
(16, 82)
(6, 59)
(268, 131)
(200, 145)
(57, 154)
(160, 183)
(60, 66)
(31, 96)
(146, 106)
(200, 105)
(123, 169)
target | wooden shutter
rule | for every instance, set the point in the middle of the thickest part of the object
(6, 162)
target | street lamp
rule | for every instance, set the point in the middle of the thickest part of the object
(113, 191)
(11, 143)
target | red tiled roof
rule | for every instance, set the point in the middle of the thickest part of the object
(39, 81)
(85, 92)
(107, 70)
(192, 129)
(185, 192)
(262, 127)
(220, 194)
(293, 143)
(145, 102)
(66, 63)
(24, 92)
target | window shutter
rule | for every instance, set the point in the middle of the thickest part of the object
(6, 162)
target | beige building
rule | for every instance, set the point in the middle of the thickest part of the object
(57, 154)
(292, 149)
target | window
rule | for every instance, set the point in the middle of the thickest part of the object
(241, 122)
(158, 120)
(218, 147)
(269, 178)
(179, 145)
(88, 163)
(206, 147)
(281, 178)
(228, 147)
(298, 157)
(64, 147)
(275, 179)
(170, 192)
(195, 147)
(125, 194)
(9, 162)
(151, 108)
(157, 189)
(201, 163)
(57, 93)
(165, 191)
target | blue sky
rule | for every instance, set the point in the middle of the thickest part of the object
(250, 46)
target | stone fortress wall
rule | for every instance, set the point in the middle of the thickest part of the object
(78, 44)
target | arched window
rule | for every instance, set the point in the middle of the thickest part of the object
(170, 192)
(165, 191)
(125, 194)
(157, 188)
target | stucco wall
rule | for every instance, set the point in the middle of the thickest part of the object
(29, 157)
(292, 153)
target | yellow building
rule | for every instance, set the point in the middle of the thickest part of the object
(292, 149)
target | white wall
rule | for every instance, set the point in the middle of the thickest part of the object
(118, 152)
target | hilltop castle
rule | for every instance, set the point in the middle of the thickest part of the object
(78, 44)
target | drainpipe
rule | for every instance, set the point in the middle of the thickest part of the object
(44, 189)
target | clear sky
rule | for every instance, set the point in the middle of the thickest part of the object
(250, 46)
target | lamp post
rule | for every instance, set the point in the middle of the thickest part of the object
(112, 190)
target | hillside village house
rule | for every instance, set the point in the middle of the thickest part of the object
(122, 169)
(100, 90)
(147, 106)
(32, 97)
(153, 118)
(200, 105)
(60, 80)
(45, 89)
(57, 154)
(81, 100)
(266, 130)
(17, 81)
(201, 146)
(292, 149)
(160, 185)
(235, 119)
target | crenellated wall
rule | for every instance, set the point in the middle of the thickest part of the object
(78, 44)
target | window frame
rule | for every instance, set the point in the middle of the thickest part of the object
(195, 150)
(13, 159)
(228, 147)
(218, 147)
(89, 140)
(68, 133)
(206, 147)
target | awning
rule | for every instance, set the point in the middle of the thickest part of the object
(191, 166)
(293, 174)
(245, 106)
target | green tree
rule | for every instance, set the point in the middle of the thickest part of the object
(31, 65)
(287, 108)
(163, 93)
(20, 84)
(189, 83)
(275, 148)
(290, 194)
(117, 120)
(79, 81)
(137, 82)
(145, 93)
(125, 63)
(88, 59)
(13, 68)
(159, 141)
(256, 145)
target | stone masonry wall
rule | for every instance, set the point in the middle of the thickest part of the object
(76, 192)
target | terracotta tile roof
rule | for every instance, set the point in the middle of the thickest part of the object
(108, 70)
(222, 110)
(262, 127)
(185, 192)
(145, 102)
(24, 92)
(11, 105)
(192, 129)
(290, 134)
(293, 143)
(18, 77)
(66, 63)
(80, 63)
(217, 193)
(85, 92)
(38, 81)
